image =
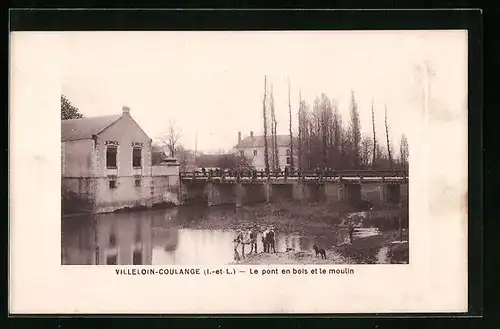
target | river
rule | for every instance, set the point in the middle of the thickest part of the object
(178, 236)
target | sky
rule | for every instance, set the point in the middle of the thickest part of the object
(211, 84)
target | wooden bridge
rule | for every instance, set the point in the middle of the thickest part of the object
(226, 187)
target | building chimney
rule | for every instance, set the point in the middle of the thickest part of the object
(126, 110)
(251, 134)
(239, 138)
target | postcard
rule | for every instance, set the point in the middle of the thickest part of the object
(238, 172)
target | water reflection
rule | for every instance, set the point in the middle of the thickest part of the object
(112, 239)
(162, 237)
(197, 247)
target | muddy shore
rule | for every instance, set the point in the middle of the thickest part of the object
(317, 219)
(382, 249)
(291, 258)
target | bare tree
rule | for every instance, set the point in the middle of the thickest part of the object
(274, 127)
(374, 152)
(273, 154)
(264, 116)
(310, 141)
(355, 128)
(324, 140)
(300, 133)
(366, 150)
(290, 127)
(387, 138)
(171, 138)
(403, 151)
(185, 157)
(325, 116)
(337, 127)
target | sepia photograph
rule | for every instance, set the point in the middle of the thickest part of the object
(285, 171)
(238, 148)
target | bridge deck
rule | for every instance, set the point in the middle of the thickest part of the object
(344, 176)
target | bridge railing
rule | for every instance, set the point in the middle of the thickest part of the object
(277, 175)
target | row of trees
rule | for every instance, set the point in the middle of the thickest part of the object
(325, 141)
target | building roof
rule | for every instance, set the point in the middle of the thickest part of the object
(258, 141)
(85, 128)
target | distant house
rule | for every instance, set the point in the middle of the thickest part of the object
(253, 147)
(106, 164)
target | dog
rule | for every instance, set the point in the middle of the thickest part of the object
(320, 251)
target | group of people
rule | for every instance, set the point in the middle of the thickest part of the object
(249, 236)
(254, 173)
(286, 171)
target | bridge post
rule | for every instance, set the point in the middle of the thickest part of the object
(240, 191)
(182, 192)
(298, 190)
(213, 194)
(269, 191)
(404, 192)
(210, 191)
(383, 187)
(341, 193)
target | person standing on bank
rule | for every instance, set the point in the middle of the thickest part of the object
(351, 231)
(253, 240)
(270, 240)
(265, 245)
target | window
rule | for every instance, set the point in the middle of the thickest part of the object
(112, 181)
(137, 182)
(242, 153)
(254, 153)
(136, 157)
(288, 160)
(111, 152)
(287, 151)
(137, 257)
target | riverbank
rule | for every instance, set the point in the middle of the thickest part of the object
(386, 247)
(290, 217)
(292, 258)
(137, 208)
(319, 219)
(287, 217)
